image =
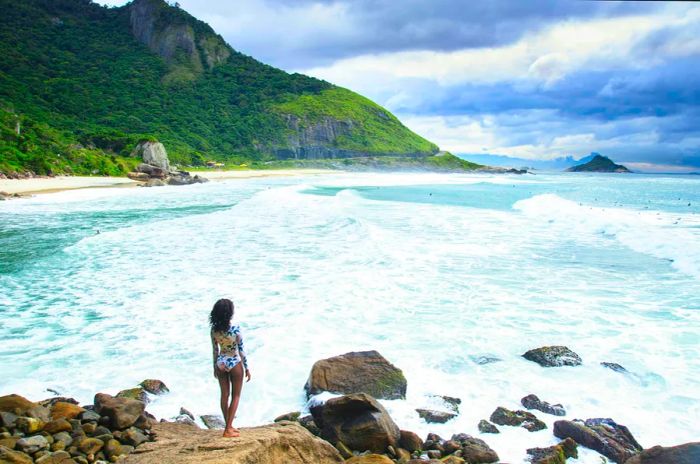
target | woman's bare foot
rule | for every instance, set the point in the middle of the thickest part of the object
(231, 433)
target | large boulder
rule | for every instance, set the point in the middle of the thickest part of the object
(153, 153)
(605, 436)
(357, 372)
(359, 421)
(435, 417)
(154, 386)
(553, 356)
(283, 442)
(122, 413)
(527, 420)
(681, 454)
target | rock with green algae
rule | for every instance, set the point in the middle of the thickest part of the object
(475, 450)
(136, 393)
(59, 457)
(29, 425)
(557, 454)
(605, 436)
(527, 420)
(533, 402)
(357, 372)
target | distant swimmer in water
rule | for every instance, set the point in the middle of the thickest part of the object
(230, 361)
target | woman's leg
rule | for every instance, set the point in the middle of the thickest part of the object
(225, 386)
(236, 378)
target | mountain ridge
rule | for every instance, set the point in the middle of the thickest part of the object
(82, 84)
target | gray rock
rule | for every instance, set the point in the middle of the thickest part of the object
(8, 420)
(153, 153)
(213, 422)
(533, 402)
(186, 413)
(487, 427)
(31, 445)
(155, 183)
(89, 416)
(185, 419)
(553, 356)
(152, 171)
(435, 417)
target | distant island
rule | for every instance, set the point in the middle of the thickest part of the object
(599, 163)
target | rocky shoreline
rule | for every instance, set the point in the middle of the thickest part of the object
(352, 427)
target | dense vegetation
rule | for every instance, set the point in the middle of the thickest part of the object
(85, 91)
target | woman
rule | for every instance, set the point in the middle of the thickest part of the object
(229, 360)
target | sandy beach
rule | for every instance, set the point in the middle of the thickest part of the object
(59, 183)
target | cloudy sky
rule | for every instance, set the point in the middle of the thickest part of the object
(535, 79)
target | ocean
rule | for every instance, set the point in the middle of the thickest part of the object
(102, 288)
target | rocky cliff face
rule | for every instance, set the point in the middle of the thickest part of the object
(169, 32)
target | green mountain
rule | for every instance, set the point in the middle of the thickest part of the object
(82, 84)
(599, 163)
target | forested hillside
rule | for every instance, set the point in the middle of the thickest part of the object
(81, 84)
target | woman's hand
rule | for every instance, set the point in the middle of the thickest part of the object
(247, 375)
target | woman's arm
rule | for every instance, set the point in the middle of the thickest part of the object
(244, 358)
(214, 351)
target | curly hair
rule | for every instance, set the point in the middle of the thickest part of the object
(221, 314)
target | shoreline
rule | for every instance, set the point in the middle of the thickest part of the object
(43, 185)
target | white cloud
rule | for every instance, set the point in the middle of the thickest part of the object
(544, 57)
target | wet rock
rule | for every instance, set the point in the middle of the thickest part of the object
(121, 413)
(370, 459)
(533, 402)
(58, 425)
(31, 445)
(410, 441)
(63, 437)
(605, 436)
(89, 428)
(186, 413)
(184, 178)
(614, 366)
(688, 453)
(453, 460)
(65, 410)
(309, 424)
(290, 416)
(475, 450)
(435, 417)
(451, 402)
(154, 387)
(14, 457)
(487, 427)
(185, 419)
(451, 446)
(145, 421)
(557, 454)
(553, 356)
(359, 421)
(213, 421)
(434, 454)
(357, 372)
(137, 393)
(528, 421)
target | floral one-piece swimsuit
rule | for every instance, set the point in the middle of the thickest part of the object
(230, 348)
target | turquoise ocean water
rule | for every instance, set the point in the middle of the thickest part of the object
(102, 288)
